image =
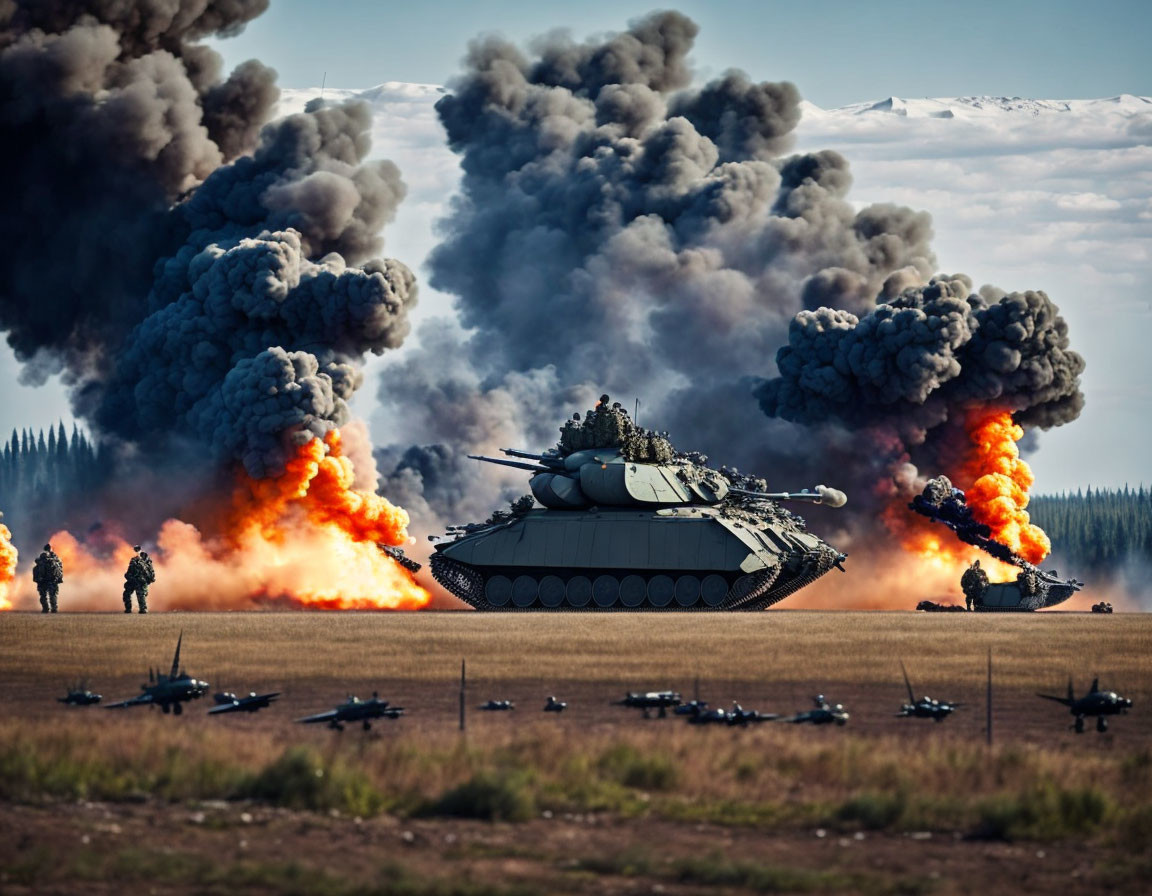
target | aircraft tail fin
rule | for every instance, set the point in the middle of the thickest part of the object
(176, 657)
(911, 696)
(1095, 685)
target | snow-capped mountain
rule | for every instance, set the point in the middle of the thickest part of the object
(981, 106)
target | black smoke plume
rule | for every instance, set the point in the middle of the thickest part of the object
(204, 280)
(619, 230)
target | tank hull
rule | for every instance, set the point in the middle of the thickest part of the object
(673, 559)
(1008, 597)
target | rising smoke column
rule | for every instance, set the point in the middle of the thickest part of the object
(217, 279)
(953, 377)
(619, 230)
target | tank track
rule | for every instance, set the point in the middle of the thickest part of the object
(813, 565)
(752, 592)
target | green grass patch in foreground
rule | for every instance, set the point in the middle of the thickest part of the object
(851, 783)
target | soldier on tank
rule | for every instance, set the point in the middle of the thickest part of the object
(48, 574)
(973, 583)
(139, 576)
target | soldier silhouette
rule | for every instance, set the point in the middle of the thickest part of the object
(48, 574)
(139, 576)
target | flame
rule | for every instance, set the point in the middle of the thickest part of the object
(999, 482)
(8, 556)
(305, 539)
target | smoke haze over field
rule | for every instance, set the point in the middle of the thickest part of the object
(620, 230)
(214, 278)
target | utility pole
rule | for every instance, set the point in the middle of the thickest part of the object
(463, 688)
(989, 727)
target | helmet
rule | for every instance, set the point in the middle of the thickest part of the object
(136, 548)
(144, 554)
(48, 547)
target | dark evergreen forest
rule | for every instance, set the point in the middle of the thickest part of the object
(43, 474)
(1097, 529)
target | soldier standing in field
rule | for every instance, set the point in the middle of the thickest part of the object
(139, 576)
(973, 583)
(48, 574)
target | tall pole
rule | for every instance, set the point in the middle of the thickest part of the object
(463, 687)
(989, 696)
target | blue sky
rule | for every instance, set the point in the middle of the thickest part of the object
(836, 51)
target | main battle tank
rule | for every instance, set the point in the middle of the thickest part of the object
(629, 523)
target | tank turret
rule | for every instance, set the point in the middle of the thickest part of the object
(628, 522)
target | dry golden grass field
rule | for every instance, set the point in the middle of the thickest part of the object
(597, 800)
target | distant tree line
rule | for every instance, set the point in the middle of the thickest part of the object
(41, 475)
(1097, 529)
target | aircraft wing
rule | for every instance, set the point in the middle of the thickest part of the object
(329, 716)
(141, 700)
(245, 704)
(1064, 700)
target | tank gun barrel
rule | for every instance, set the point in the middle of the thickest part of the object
(829, 497)
(526, 455)
(535, 468)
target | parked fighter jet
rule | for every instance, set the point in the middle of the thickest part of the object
(658, 700)
(498, 705)
(824, 713)
(167, 691)
(79, 695)
(925, 707)
(691, 708)
(738, 715)
(1096, 703)
(356, 710)
(705, 716)
(554, 705)
(229, 702)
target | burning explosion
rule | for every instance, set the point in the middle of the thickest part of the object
(996, 481)
(8, 557)
(216, 287)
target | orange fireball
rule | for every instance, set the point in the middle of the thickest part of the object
(8, 558)
(996, 483)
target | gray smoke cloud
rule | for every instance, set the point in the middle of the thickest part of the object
(215, 279)
(917, 360)
(619, 230)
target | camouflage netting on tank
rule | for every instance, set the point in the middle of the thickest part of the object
(609, 426)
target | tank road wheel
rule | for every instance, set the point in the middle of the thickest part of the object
(1101, 724)
(661, 590)
(606, 591)
(551, 591)
(524, 591)
(633, 590)
(579, 591)
(687, 591)
(498, 591)
(714, 589)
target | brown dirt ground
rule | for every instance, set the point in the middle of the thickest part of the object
(773, 661)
